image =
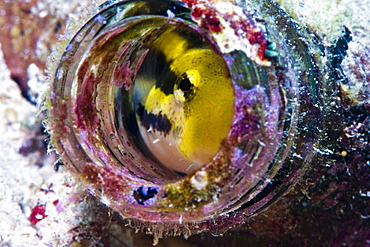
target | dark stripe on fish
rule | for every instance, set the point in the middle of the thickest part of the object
(157, 122)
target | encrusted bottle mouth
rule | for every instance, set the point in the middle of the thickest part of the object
(171, 116)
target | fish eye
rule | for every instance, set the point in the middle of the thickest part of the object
(184, 88)
(184, 84)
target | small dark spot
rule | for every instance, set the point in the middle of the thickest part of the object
(260, 20)
(57, 27)
(132, 156)
(22, 83)
(48, 189)
(57, 165)
(185, 84)
(181, 174)
(144, 193)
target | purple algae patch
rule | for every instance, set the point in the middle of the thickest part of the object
(250, 112)
(123, 76)
(85, 109)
